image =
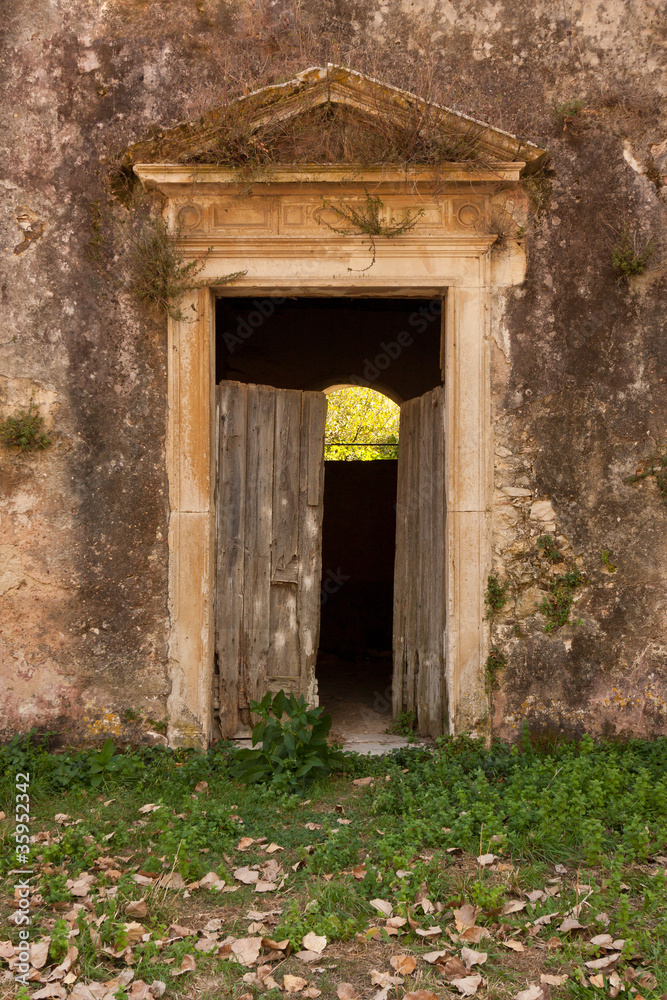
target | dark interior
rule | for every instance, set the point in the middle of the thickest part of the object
(358, 558)
(312, 343)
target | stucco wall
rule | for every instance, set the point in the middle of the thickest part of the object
(579, 358)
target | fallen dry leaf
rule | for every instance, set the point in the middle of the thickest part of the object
(383, 906)
(534, 992)
(149, 807)
(346, 991)
(137, 908)
(474, 934)
(363, 781)
(247, 875)
(513, 906)
(313, 826)
(308, 956)
(247, 950)
(294, 984)
(552, 980)
(385, 979)
(245, 843)
(570, 924)
(421, 995)
(187, 965)
(597, 981)
(471, 957)
(453, 968)
(605, 962)
(61, 818)
(39, 952)
(263, 886)
(404, 964)
(430, 932)
(314, 942)
(359, 872)
(312, 991)
(465, 916)
(434, 956)
(514, 945)
(207, 944)
(486, 859)
(467, 986)
(51, 992)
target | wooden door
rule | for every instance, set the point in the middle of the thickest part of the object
(268, 544)
(419, 577)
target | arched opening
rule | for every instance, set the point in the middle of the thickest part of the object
(354, 664)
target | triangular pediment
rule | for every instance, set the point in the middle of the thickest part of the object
(334, 114)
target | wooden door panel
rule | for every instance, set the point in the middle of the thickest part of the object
(268, 539)
(419, 580)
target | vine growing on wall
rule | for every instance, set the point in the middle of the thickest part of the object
(367, 220)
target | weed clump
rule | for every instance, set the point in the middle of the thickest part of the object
(630, 253)
(495, 596)
(496, 661)
(158, 273)
(656, 466)
(367, 221)
(556, 607)
(548, 549)
(23, 430)
(567, 111)
(293, 752)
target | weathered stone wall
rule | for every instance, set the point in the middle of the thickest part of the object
(579, 358)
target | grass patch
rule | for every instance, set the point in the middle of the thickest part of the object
(572, 828)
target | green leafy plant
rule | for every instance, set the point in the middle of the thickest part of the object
(556, 607)
(656, 466)
(159, 274)
(548, 549)
(630, 253)
(606, 560)
(568, 110)
(366, 220)
(495, 595)
(293, 750)
(495, 662)
(404, 724)
(106, 765)
(23, 430)
(59, 940)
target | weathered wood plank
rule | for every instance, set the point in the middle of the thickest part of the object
(258, 543)
(286, 462)
(283, 662)
(230, 532)
(400, 569)
(311, 506)
(419, 594)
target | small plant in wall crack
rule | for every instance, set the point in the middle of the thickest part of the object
(496, 661)
(366, 220)
(495, 596)
(23, 430)
(631, 253)
(159, 274)
(548, 549)
(556, 607)
(655, 466)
